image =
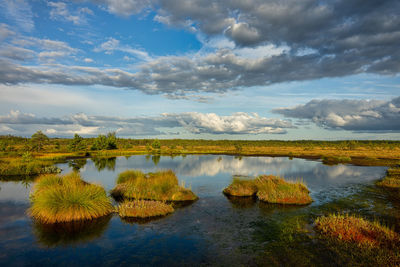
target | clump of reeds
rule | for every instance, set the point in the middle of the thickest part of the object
(163, 185)
(357, 230)
(274, 189)
(144, 209)
(67, 198)
(241, 187)
(392, 179)
(271, 189)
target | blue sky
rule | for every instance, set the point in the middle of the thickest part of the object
(201, 69)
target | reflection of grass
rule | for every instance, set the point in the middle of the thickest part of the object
(271, 189)
(144, 209)
(392, 179)
(161, 185)
(52, 235)
(68, 198)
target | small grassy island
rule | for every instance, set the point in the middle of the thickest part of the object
(357, 230)
(57, 198)
(392, 179)
(144, 209)
(161, 186)
(271, 189)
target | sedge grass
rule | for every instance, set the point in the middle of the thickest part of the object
(161, 186)
(270, 189)
(144, 209)
(357, 230)
(68, 198)
(274, 189)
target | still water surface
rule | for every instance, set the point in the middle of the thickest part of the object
(214, 230)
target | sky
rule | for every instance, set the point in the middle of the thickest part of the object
(227, 69)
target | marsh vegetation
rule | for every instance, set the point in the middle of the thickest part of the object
(66, 198)
(271, 189)
(162, 186)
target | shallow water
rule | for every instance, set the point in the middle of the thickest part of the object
(214, 230)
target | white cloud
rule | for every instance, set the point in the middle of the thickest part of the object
(60, 11)
(20, 12)
(354, 115)
(191, 122)
(88, 60)
(113, 44)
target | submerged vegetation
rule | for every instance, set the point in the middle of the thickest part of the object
(271, 189)
(357, 230)
(392, 179)
(163, 185)
(67, 198)
(144, 209)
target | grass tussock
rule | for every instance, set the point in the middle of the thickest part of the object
(68, 198)
(392, 179)
(271, 189)
(241, 187)
(357, 230)
(274, 189)
(163, 186)
(144, 209)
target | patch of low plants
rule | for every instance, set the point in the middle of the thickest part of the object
(392, 178)
(357, 230)
(66, 198)
(144, 209)
(271, 189)
(162, 185)
(241, 187)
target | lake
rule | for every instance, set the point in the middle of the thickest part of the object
(214, 230)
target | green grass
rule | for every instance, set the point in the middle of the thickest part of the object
(67, 198)
(19, 167)
(271, 189)
(357, 230)
(161, 185)
(144, 209)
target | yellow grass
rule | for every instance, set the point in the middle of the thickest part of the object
(144, 209)
(67, 198)
(161, 185)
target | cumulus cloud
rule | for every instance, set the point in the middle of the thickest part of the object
(353, 115)
(271, 42)
(191, 122)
